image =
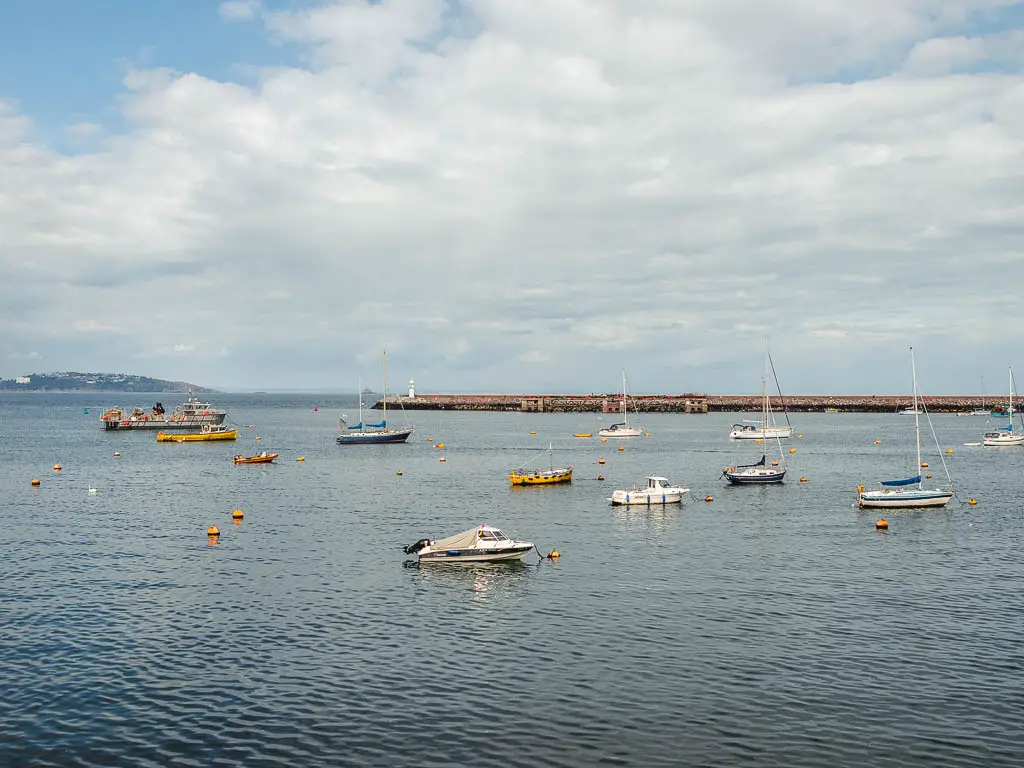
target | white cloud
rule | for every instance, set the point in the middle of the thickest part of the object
(239, 10)
(652, 185)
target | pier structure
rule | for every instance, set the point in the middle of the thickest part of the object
(683, 403)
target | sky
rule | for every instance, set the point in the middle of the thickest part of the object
(521, 196)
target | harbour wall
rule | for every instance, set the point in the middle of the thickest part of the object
(683, 403)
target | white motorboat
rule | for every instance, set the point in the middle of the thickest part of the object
(756, 431)
(1005, 436)
(622, 429)
(658, 491)
(483, 544)
(909, 493)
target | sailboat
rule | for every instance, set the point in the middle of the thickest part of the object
(1005, 436)
(520, 476)
(761, 472)
(764, 429)
(910, 492)
(622, 429)
(367, 434)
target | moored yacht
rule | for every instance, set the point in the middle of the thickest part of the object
(658, 491)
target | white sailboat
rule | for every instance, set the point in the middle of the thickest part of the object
(983, 411)
(761, 473)
(765, 428)
(1005, 436)
(908, 493)
(622, 429)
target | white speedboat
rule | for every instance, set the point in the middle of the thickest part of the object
(658, 491)
(483, 544)
(755, 431)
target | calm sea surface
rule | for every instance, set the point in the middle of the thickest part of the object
(770, 627)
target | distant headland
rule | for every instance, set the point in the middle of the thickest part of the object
(73, 381)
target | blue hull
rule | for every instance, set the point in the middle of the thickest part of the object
(375, 438)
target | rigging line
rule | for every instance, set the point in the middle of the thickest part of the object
(938, 448)
(782, 397)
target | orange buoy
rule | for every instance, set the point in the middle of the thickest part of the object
(237, 515)
(622, 448)
(882, 525)
(532, 432)
(928, 476)
(709, 498)
(972, 502)
(301, 458)
(430, 439)
(57, 467)
(600, 461)
(792, 450)
(443, 459)
(600, 477)
(775, 463)
(878, 442)
(924, 465)
(604, 439)
(554, 554)
(803, 479)
(949, 450)
(117, 453)
(647, 434)
(257, 437)
(35, 482)
(212, 531)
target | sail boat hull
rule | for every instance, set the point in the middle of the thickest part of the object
(617, 431)
(900, 498)
(743, 432)
(755, 476)
(375, 438)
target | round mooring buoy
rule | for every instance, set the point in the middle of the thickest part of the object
(600, 461)
(213, 531)
(35, 482)
(708, 499)
(882, 525)
(972, 502)
(237, 515)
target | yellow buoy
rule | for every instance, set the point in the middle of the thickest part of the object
(928, 476)
(440, 445)
(622, 448)
(554, 554)
(803, 479)
(117, 453)
(882, 525)
(775, 463)
(257, 438)
(213, 530)
(35, 482)
(860, 489)
(758, 440)
(600, 461)
(878, 442)
(647, 434)
(792, 450)
(604, 439)
(532, 432)
(56, 467)
(924, 464)
(799, 436)
(237, 515)
(581, 434)
(430, 439)
(708, 499)
(443, 459)
(949, 450)
(399, 473)
(972, 502)
(301, 458)
(600, 477)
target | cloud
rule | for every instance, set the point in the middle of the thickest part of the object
(239, 10)
(524, 195)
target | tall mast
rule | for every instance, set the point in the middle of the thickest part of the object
(361, 403)
(625, 417)
(384, 376)
(1009, 412)
(764, 402)
(917, 427)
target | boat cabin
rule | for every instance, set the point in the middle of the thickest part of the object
(491, 534)
(654, 482)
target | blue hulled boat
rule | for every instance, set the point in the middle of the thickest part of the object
(372, 434)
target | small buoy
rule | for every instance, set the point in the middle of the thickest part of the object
(803, 479)
(443, 459)
(92, 491)
(257, 437)
(250, 426)
(600, 477)
(792, 450)
(440, 445)
(928, 476)
(882, 525)
(972, 502)
(237, 515)
(581, 434)
(799, 436)
(315, 409)
(35, 482)
(709, 498)
(621, 448)
(301, 458)
(758, 440)
(117, 453)
(600, 461)
(430, 439)
(399, 473)
(85, 410)
(647, 434)
(924, 464)
(604, 439)
(532, 432)
(949, 450)
(775, 463)
(56, 467)
(878, 442)
(554, 554)
(213, 530)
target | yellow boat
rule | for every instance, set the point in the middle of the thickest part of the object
(540, 476)
(259, 458)
(208, 432)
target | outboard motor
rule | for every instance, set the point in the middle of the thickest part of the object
(412, 549)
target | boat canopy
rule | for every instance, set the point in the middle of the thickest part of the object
(357, 426)
(908, 481)
(462, 540)
(382, 425)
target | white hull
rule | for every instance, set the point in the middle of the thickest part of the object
(621, 432)
(1003, 441)
(761, 434)
(643, 497)
(903, 499)
(499, 557)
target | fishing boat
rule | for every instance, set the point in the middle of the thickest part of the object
(761, 472)
(207, 433)
(658, 491)
(622, 429)
(484, 544)
(259, 458)
(910, 492)
(1005, 436)
(765, 428)
(373, 434)
(192, 414)
(520, 476)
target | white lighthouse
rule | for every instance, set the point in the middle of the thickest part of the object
(412, 389)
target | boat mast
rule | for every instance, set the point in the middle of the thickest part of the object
(764, 403)
(384, 376)
(625, 416)
(361, 403)
(1009, 411)
(917, 426)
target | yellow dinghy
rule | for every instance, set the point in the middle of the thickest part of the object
(519, 476)
(208, 432)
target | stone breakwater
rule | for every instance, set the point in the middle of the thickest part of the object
(684, 403)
